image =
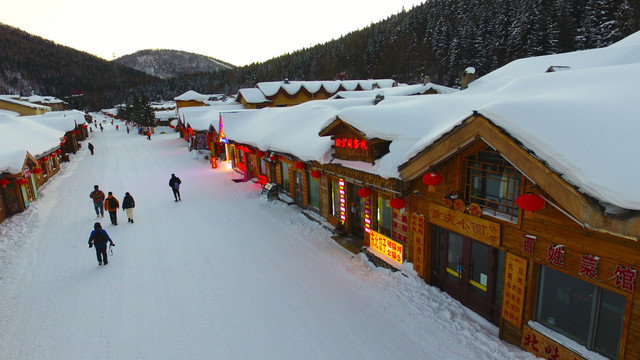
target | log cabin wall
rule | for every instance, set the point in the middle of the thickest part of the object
(553, 230)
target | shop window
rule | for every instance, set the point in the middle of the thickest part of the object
(263, 166)
(285, 177)
(493, 183)
(581, 311)
(385, 217)
(314, 192)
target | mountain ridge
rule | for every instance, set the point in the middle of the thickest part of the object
(169, 63)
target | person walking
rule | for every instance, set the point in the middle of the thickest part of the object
(149, 135)
(91, 148)
(128, 203)
(174, 183)
(111, 204)
(127, 129)
(98, 198)
(117, 127)
(99, 239)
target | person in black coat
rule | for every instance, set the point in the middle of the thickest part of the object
(99, 239)
(128, 203)
(174, 183)
(91, 148)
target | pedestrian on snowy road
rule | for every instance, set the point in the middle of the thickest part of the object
(174, 183)
(128, 203)
(149, 135)
(127, 129)
(99, 239)
(111, 204)
(98, 198)
(91, 147)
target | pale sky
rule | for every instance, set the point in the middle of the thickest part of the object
(238, 32)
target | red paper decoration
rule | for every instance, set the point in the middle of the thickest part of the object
(316, 174)
(4, 182)
(432, 179)
(21, 181)
(58, 151)
(37, 170)
(260, 153)
(530, 202)
(397, 203)
(364, 192)
(300, 165)
(273, 157)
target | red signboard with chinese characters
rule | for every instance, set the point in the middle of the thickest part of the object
(348, 143)
(399, 226)
(476, 228)
(417, 228)
(386, 246)
(515, 277)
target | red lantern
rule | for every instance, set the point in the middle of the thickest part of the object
(53, 156)
(364, 192)
(37, 170)
(260, 153)
(316, 174)
(251, 151)
(397, 203)
(300, 165)
(58, 151)
(4, 182)
(273, 157)
(21, 181)
(432, 179)
(530, 202)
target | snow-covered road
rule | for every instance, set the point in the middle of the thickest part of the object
(223, 274)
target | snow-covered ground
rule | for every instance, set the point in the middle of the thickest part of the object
(223, 274)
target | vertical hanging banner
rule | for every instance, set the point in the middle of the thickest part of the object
(515, 277)
(417, 228)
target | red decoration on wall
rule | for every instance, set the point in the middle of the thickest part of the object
(58, 151)
(4, 182)
(250, 151)
(364, 192)
(260, 153)
(37, 170)
(273, 157)
(432, 179)
(316, 174)
(530, 202)
(21, 181)
(300, 165)
(397, 203)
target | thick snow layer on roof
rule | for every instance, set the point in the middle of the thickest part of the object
(166, 114)
(583, 124)
(76, 115)
(626, 51)
(43, 99)
(402, 90)
(191, 96)
(331, 86)
(13, 100)
(19, 135)
(201, 118)
(292, 130)
(253, 96)
(61, 123)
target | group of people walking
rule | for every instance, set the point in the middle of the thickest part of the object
(111, 204)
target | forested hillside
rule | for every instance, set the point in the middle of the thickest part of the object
(439, 38)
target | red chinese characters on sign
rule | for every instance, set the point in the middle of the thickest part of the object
(354, 144)
(555, 255)
(528, 243)
(417, 228)
(552, 352)
(625, 278)
(514, 286)
(475, 209)
(589, 266)
(386, 246)
(531, 340)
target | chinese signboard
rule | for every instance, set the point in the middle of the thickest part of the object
(351, 144)
(417, 228)
(545, 348)
(514, 285)
(476, 228)
(399, 227)
(386, 246)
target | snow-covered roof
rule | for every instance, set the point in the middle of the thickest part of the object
(191, 96)
(166, 114)
(271, 88)
(291, 130)
(43, 99)
(253, 96)
(201, 118)
(60, 123)
(13, 100)
(401, 90)
(19, 135)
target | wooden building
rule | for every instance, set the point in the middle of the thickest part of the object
(24, 108)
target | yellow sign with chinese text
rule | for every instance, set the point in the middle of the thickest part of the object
(515, 276)
(476, 228)
(386, 246)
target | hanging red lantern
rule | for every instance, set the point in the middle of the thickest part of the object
(273, 157)
(364, 192)
(432, 179)
(530, 202)
(300, 165)
(21, 181)
(37, 171)
(4, 182)
(251, 151)
(58, 151)
(260, 153)
(316, 174)
(397, 203)
(53, 156)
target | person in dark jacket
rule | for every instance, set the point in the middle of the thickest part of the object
(174, 183)
(91, 148)
(111, 204)
(99, 239)
(128, 203)
(98, 198)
